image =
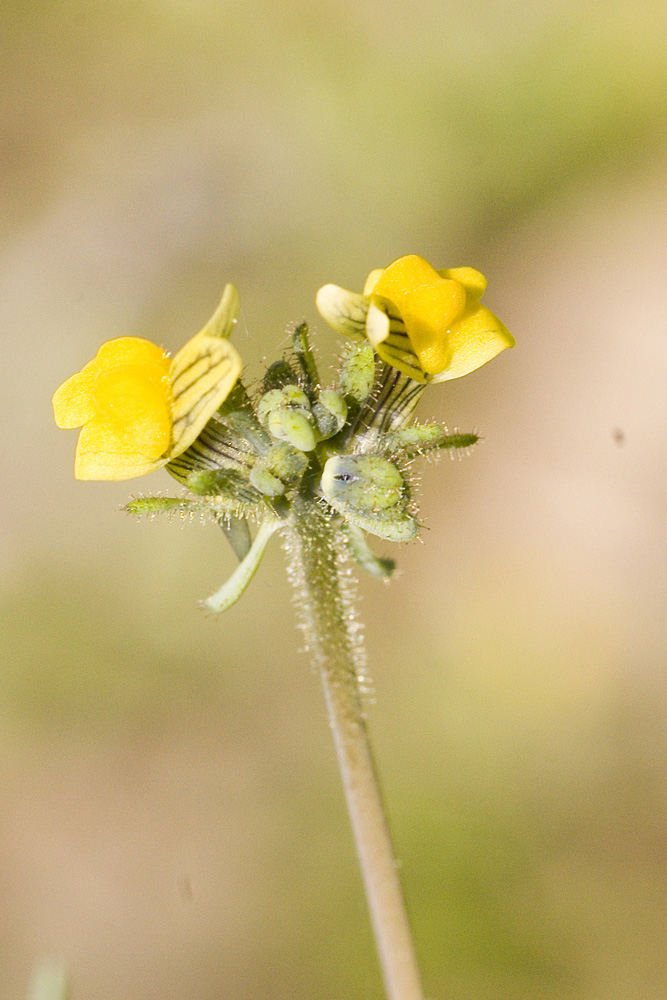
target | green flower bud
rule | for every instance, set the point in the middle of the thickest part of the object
(281, 467)
(293, 426)
(371, 493)
(287, 416)
(266, 482)
(330, 413)
(294, 396)
(357, 373)
(286, 463)
(271, 400)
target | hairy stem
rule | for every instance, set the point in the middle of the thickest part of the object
(333, 636)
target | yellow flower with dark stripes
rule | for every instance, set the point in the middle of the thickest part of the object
(137, 408)
(429, 324)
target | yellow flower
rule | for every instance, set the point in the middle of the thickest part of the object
(429, 324)
(138, 409)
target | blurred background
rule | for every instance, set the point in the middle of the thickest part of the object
(171, 821)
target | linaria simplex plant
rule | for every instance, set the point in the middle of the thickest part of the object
(322, 466)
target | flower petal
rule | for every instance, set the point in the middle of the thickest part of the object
(476, 338)
(428, 305)
(472, 280)
(203, 373)
(372, 280)
(72, 405)
(344, 311)
(74, 402)
(223, 320)
(394, 351)
(101, 454)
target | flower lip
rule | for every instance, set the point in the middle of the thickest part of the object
(137, 409)
(429, 324)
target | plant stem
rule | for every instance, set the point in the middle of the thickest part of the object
(324, 599)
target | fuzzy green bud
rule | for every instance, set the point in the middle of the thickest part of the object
(293, 426)
(294, 396)
(279, 468)
(357, 372)
(330, 413)
(271, 400)
(287, 416)
(371, 493)
(266, 482)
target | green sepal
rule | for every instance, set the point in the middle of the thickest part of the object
(357, 372)
(305, 356)
(278, 375)
(393, 525)
(236, 585)
(423, 438)
(244, 424)
(238, 415)
(237, 533)
(215, 507)
(238, 399)
(227, 483)
(266, 482)
(377, 566)
(151, 506)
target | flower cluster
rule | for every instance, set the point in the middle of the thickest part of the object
(347, 447)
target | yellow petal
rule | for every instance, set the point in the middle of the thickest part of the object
(476, 338)
(472, 280)
(344, 311)
(132, 351)
(372, 280)
(72, 404)
(203, 373)
(130, 431)
(101, 455)
(428, 303)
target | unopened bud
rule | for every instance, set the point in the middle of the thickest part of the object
(371, 493)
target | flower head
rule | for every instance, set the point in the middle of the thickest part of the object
(429, 324)
(137, 409)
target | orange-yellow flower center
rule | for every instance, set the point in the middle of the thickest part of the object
(428, 305)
